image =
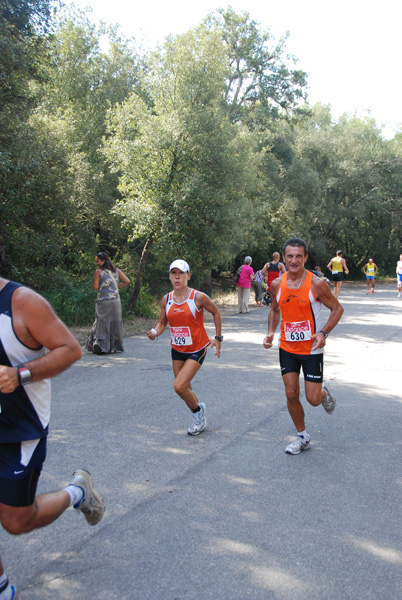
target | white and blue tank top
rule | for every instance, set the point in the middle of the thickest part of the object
(25, 413)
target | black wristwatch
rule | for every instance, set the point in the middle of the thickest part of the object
(24, 375)
(219, 338)
(324, 333)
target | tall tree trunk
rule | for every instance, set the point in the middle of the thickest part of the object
(140, 272)
(207, 284)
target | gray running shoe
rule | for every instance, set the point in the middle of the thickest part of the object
(300, 443)
(15, 595)
(92, 505)
(329, 401)
(200, 420)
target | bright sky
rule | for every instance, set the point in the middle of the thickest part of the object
(351, 49)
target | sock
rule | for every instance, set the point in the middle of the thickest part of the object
(6, 592)
(76, 494)
(302, 434)
(197, 409)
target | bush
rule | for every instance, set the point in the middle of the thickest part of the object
(73, 302)
(146, 306)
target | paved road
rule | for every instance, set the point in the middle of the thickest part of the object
(228, 515)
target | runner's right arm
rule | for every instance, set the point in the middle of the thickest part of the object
(274, 315)
(162, 323)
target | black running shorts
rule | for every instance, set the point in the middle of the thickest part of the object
(197, 356)
(313, 365)
(18, 482)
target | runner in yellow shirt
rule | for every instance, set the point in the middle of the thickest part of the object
(370, 270)
(337, 266)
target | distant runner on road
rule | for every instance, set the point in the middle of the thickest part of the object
(298, 297)
(183, 309)
(370, 270)
(272, 270)
(338, 267)
(399, 275)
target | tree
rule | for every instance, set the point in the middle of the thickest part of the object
(260, 84)
(184, 168)
(358, 179)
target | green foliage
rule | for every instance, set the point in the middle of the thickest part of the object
(199, 150)
(260, 83)
(145, 307)
(72, 300)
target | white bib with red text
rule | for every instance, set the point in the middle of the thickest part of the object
(297, 332)
(181, 336)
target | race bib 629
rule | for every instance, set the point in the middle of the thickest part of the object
(181, 336)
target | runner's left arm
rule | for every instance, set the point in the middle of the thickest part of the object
(324, 295)
(202, 300)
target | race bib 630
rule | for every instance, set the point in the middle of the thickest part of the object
(297, 332)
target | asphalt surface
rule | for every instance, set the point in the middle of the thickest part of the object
(227, 515)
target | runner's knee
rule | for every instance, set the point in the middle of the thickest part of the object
(180, 387)
(14, 524)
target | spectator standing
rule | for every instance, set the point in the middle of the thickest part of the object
(244, 285)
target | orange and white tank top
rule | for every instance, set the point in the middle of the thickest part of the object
(301, 317)
(186, 324)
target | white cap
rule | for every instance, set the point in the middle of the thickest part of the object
(180, 264)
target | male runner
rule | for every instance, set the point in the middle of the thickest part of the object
(28, 327)
(399, 275)
(272, 270)
(298, 297)
(337, 266)
(370, 270)
(183, 309)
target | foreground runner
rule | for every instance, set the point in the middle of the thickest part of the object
(28, 326)
(298, 296)
(183, 310)
(370, 270)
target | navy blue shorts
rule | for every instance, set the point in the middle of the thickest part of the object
(18, 481)
(197, 356)
(313, 365)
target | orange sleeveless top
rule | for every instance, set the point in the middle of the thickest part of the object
(186, 324)
(301, 317)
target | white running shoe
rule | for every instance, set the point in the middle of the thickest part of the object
(300, 443)
(92, 505)
(329, 401)
(200, 420)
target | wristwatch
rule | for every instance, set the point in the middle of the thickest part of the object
(24, 375)
(219, 338)
(324, 333)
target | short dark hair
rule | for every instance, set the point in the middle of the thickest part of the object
(339, 252)
(1, 250)
(295, 241)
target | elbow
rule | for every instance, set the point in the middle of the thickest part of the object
(75, 352)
